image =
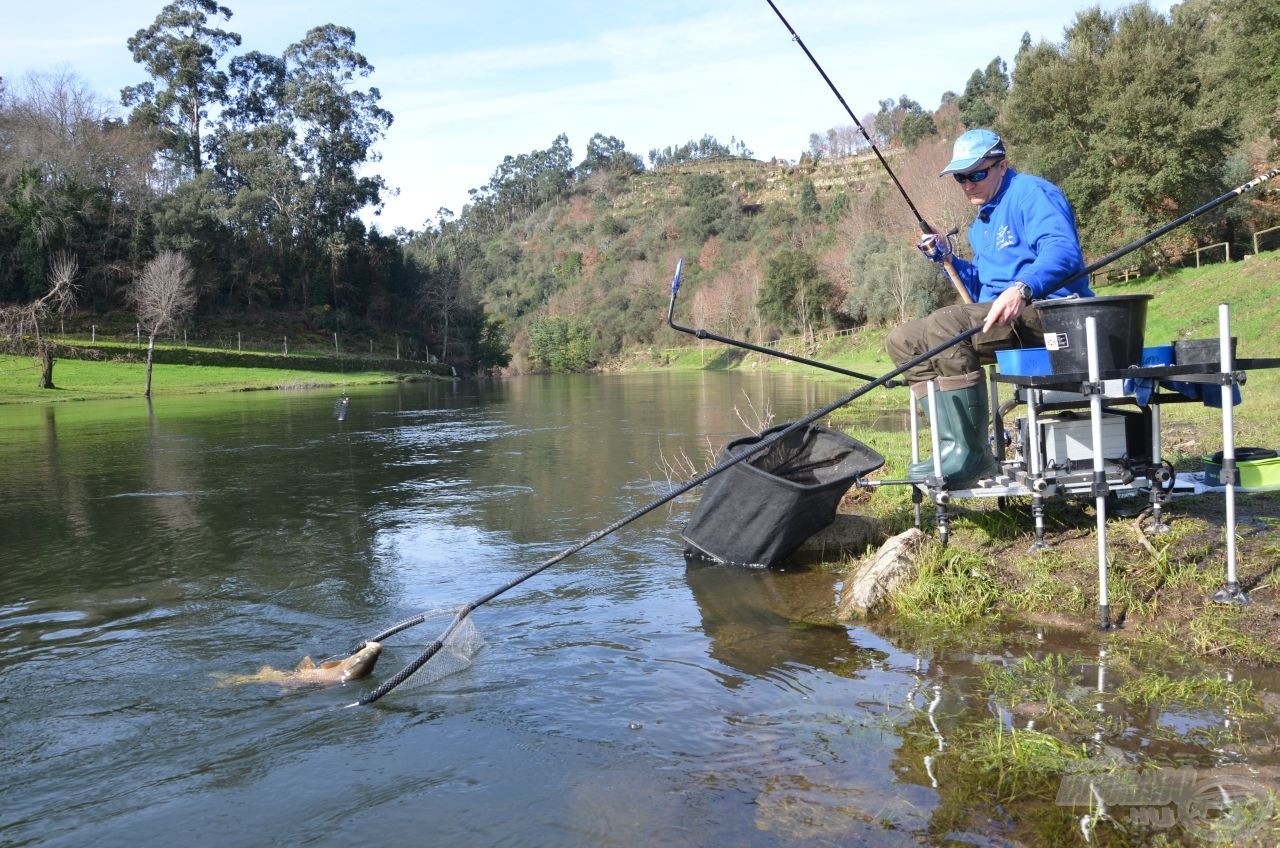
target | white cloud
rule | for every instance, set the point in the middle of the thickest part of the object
(471, 83)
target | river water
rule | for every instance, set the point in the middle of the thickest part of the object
(624, 697)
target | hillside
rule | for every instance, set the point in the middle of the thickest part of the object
(560, 261)
(583, 282)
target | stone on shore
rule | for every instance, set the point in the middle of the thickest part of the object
(872, 581)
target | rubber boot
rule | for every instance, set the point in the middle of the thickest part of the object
(962, 438)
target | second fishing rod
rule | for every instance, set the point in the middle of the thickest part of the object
(925, 228)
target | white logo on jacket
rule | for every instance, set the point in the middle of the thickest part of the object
(1005, 237)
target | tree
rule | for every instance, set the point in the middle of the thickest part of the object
(713, 208)
(71, 180)
(561, 344)
(609, 154)
(338, 125)
(1242, 65)
(520, 185)
(17, 321)
(889, 282)
(180, 50)
(796, 294)
(1114, 116)
(904, 122)
(706, 147)
(162, 295)
(810, 208)
(983, 96)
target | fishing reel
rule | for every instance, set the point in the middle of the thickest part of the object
(938, 247)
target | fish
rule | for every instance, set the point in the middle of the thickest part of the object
(358, 665)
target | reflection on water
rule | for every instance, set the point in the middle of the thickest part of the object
(759, 621)
(624, 697)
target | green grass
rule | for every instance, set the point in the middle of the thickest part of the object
(952, 591)
(1049, 682)
(1155, 689)
(78, 379)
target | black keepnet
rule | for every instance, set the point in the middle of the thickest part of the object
(760, 511)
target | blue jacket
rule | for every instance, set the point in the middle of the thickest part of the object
(1027, 232)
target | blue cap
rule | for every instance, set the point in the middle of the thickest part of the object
(971, 148)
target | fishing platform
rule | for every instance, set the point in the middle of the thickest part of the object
(1090, 425)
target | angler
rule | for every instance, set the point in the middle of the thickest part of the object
(1025, 249)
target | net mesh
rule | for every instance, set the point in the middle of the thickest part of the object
(457, 652)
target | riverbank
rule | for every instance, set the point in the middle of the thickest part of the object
(1160, 588)
(89, 379)
(1160, 584)
(1181, 682)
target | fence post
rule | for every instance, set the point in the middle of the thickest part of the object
(93, 334)
(138, 329)
(237, 342)
(286, 345)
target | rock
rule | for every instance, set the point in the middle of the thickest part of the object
(846, 535)
(871, 582)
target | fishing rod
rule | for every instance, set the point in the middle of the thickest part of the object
(1088, 269)
(925, 229)
(735, 458)
(703, 334)
(1243, 188)
(750, 451)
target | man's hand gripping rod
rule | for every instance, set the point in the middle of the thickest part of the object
(925, 229)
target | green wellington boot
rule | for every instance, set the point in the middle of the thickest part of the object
(962, 438)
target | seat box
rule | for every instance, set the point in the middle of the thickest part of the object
(1068, 438)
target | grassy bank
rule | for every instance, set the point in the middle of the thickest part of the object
(83, 379)
(1160, 584)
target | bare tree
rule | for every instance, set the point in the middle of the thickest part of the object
(162, 295)
(17, 321)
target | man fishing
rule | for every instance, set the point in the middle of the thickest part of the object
(1025, 248)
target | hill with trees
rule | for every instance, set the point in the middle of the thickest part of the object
(255, 169)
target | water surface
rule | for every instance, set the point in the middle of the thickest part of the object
(624, 697)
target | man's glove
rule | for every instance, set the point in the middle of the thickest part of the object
(935, 247)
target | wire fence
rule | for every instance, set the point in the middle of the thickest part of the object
(387, 347)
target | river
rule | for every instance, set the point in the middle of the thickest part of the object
(624, 697)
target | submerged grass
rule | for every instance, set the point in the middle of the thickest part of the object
(996, 779)
(1041, 722)
(1046, 683)
(1009, 763)
(992, 777)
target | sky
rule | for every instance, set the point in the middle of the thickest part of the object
(471, 82)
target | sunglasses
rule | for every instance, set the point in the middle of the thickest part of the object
(973, 176)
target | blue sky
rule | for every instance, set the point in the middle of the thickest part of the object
(471, 82)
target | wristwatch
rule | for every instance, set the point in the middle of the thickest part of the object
(1024, 290)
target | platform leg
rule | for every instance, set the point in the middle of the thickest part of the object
(1231, 593)
(1037, 514)
(944, 521)
(1099, 470)
(1158, 496)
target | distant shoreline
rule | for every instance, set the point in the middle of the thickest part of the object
(81, 379)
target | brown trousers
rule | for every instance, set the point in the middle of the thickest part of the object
(959, 365)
